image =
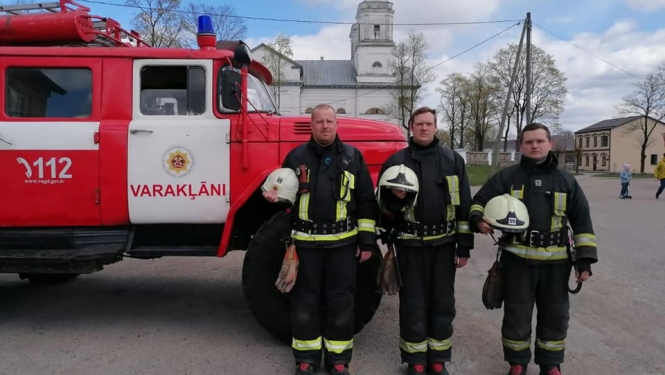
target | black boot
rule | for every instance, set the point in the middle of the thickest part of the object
(517, 369)
(305, 369)
(416, 370)
(339, 370)
(550, 370)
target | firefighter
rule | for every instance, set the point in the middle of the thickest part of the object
(333, 224)
(432, 240)
(536, 264)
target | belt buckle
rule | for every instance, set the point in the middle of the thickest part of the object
(532, 241)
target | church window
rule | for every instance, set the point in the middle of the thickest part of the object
(377, 28)
(308, 110)
(377, 64)
(374, 111)
(341, 111)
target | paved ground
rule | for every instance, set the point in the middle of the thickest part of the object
(188, 316)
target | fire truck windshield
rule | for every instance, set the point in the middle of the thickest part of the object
(259, 96)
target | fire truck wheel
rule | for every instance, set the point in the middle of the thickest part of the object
(48, 278)
(270, 307)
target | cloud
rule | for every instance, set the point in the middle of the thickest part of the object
(646, 5)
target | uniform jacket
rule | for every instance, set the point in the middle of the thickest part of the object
(340, 189)
(553, 198)
(444, 195)
(659, 172)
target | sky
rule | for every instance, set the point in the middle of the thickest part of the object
(603, 47)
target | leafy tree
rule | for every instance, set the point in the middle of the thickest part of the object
(276, 59)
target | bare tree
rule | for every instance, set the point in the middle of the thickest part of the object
(485, 104)
(648, 102)
(276, 59)
(454, 105)
(160, 22)
(548, 88)
(411, 75)
(227, 25)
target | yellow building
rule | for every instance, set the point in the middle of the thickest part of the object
(609, 144)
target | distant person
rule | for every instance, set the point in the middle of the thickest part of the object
(626, 176)
(659, 173)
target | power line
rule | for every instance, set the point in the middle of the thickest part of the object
(431, 67)
(590, 53)
(305, 21)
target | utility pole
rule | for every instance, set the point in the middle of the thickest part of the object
(527, 25)
(506, 105)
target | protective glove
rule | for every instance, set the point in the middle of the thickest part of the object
(289, 271)
(492, 296)
(388, 278)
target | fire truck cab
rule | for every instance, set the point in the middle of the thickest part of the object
(111, 148)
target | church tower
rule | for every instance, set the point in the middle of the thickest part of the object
(372, 45)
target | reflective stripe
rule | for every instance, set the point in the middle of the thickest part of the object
(406, 236)
(338, 347)
(463, 227)
(453, 189)
(366, 225)
(516, 345)
(302, 236)
(347, 184)
(585, 239)
(307, 344)
(537, 253)
(519, 194)
(413, 347)
(477, 207)
(410, 215)
(552, 346)
(439, 344)
(303, 210)
(450, 212)
(558, 211)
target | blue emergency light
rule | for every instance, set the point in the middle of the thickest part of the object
(205, 26)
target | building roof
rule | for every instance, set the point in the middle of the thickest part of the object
(337, 73)
(608, 124)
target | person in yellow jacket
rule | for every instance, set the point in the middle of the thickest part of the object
(659, 173)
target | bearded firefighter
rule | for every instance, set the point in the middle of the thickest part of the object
(333, 224)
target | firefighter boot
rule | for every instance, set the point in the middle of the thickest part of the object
(339, 369)
(416, 370)
(550, 370)
(305, 369)
(517, 369)
(438, 368)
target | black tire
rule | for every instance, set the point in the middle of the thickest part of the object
(271, 308)
(48, 278)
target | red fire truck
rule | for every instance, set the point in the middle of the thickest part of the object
(111, 148)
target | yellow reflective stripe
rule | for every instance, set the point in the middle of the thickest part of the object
(439, 344)
(585, 239)
(406, 236)
(537, 253)
(413, 347)
(340, 211)
(338, 347)
(477, 207)
(302, 236)
(516, 345)
(410, 215)
(463, 227)
(453, 189)
(450, 212)
(559, 211)
(303, 210)
(552, 346)
(519, 194)
(307, 344)
(366, 225)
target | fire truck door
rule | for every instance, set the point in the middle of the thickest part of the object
(178, 156)
(48, 142)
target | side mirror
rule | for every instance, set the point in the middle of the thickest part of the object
(230, 89)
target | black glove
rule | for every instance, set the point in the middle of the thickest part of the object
(473, 222)
(463, 252)
(582, 265)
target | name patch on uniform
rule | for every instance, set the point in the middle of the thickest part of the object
(538, 182)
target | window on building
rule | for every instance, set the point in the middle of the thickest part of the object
(586, 159)
(604, 160)
(309, 110)
(374, 111)
(377, 30)
(587, 141)
(604, 141)
(377, 64)
(595, 141)
(341, 111)
(654, 159)
(175, 90)
(46, 92)
(579, 142)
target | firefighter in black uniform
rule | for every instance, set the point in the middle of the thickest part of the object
(536, 265)
(334, 222)
(433, 239)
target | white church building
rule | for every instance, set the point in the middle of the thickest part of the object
(359, 87)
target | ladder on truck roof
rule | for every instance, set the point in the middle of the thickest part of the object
(62, 22)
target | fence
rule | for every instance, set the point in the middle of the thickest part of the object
(486, 157)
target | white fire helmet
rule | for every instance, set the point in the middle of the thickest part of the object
(507, 214)
(285, 182)
(399, 177)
